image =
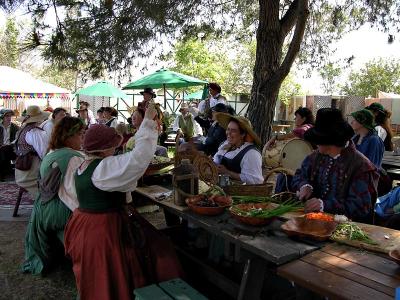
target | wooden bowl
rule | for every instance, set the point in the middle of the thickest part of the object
(395, 255)
(255, 221)
(222, 201)
(314, 229)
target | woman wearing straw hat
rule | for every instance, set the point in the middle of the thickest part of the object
(107, 245)
(238, 156)
(57, 197)
(31, 146)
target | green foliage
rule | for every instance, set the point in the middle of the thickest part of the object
(207, 59)
(330, 73)
(289, 88)
(9, 48)
(63, 78)
(376, 75)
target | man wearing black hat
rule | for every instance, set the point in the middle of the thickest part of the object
(215, 133)
(148, 94)
(336, 178)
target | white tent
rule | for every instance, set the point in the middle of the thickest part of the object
(19, 89)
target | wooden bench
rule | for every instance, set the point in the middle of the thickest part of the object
(168, 290)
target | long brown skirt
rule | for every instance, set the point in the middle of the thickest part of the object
(107, 264)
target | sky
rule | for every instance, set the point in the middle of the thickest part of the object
(364, 44)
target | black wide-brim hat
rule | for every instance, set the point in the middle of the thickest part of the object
(149, 91)
(330, 129)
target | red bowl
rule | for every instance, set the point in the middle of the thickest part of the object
(255, 221)
(222, 201)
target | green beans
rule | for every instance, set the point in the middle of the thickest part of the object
(283, 208)
(352, 232)
(250, 199)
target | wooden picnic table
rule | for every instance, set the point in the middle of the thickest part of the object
(390, 161)
(342, 272)
(330, 269)
(259, 245)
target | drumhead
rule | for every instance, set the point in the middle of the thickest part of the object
(294, 152)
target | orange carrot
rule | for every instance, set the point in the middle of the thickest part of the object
(319, 216)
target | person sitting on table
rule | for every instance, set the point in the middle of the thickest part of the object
(303, 120)
(215, 134)
(8, 131)
(137, 119)
(45, 233)
(382, 124)
(238, 156)
(185, 124)
(114, 250)
(336, 178)
(366, 139)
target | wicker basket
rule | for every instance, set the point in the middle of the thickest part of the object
(264, 189)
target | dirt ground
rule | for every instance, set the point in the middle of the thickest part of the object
(60, 284)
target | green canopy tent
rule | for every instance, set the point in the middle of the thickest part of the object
(103, 89)
(195, 95)
(165, 78)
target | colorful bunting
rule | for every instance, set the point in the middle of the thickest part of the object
(9, 95)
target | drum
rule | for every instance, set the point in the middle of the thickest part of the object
(287, 154)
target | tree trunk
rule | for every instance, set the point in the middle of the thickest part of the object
(270, 70)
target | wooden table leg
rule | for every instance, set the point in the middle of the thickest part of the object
(252, 279)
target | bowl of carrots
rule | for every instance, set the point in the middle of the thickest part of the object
(316, 226)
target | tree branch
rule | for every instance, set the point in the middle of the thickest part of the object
(294, 47)
(289, 19)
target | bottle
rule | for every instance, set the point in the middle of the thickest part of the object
(186, 182)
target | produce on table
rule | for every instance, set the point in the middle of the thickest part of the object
(285, 207)
(159, 160)
(352, 232)
(340, 219)
(319, 216)
(251, 199)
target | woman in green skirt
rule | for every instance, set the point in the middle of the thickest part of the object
(57, 197)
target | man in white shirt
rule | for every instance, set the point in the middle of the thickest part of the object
(48, 125)
(186, 125)
(214, 89)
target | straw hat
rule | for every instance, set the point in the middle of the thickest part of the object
(34, 114)
(99, 138)
(224, 118)
(184, 105)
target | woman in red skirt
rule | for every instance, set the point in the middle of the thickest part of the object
(112, 248)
